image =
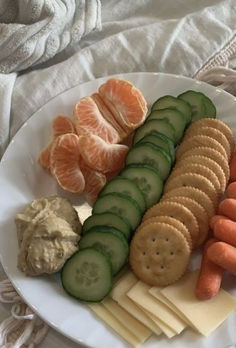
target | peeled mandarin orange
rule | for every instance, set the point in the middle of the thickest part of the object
(125, 101)
(94, 182)
(101, 156)
(44, 157)
(88, 119)
(64, 159)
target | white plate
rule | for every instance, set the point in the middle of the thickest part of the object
(22, 179)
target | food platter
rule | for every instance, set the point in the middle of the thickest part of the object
(22, 179)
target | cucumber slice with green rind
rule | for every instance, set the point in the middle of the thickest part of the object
(110, 241)
(160, 140)
(209, 106)
(120, 204)
(109, 220)
(127, 187)
(161, 126)
(148, 153)
(148, 179)
(168, 101)
(196, 101)
(87, 275)
(175, 118)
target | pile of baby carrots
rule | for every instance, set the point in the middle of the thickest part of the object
(219, 252)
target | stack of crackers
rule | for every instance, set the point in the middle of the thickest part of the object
(162, 245)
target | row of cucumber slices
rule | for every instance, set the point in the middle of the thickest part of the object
(104, 247)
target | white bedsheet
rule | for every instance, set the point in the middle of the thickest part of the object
(138, 35)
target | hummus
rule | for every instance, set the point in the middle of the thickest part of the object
(48, 232)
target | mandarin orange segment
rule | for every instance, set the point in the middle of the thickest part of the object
(101, 156)
(65, 157)
(94, 182)
(62, 125)
(44, 156)
(107, 114)
(125, 101)
(88, 119)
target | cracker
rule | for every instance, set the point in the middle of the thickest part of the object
(212, 133)
(196, 194)
(199, 140)
(194, 180)
(212, 154)
(196, 168)
(159, 254)
(207, 162)
(217, 124)
(200, 215)
(178, 212)
(173, 222)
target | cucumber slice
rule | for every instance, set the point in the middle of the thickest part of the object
(148, 153)
(109, 240)
(87, 275)
(121, 205)
(209, 106)
(148, 180)
(161, 126)
(162, 141)
(127, 187)
(196, 102)
(175, 118)
(109, 220)
(169, 101)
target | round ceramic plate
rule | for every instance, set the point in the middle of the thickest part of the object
(22, 179)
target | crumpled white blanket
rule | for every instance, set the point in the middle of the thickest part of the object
(180, 37)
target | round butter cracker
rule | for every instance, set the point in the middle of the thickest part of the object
(173, 222)
(178, 212)
(194, 180)
(209, 163)
(200, 215)
(212, 133)
(194, 193)
(217, 124)
(199, 140)
(159, 254)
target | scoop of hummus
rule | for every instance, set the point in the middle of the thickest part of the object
(48, 232)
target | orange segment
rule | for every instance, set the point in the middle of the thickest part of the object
(62, 125)
(65, 156)
(94, 182)
(101, 156)
(126, 102)
(88, 119)
(44, 156)
(107, 114)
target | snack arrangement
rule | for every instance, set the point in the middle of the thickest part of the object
(155, 182)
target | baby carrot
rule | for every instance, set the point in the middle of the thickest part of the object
(232, 167)
(225, 230)
(231, 190)
(215, 219)
(224, 255)
(210, 276)
(228, 208)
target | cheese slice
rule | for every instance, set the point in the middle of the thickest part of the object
(134, 326)
(205, 316)
(118, 294)
(140, 295)
(165, 329)
(115, 324)
(156, 292)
